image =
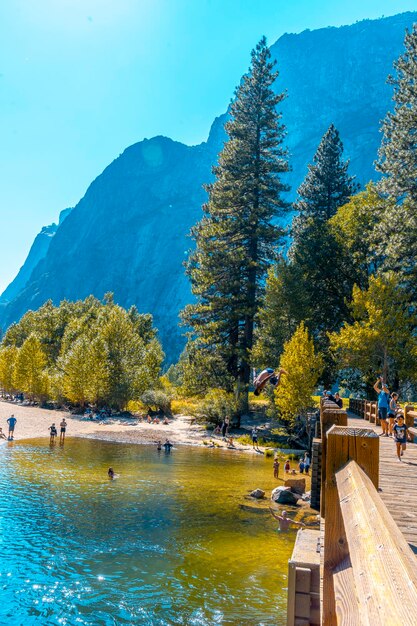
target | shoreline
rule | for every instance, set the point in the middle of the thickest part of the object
(33, 423)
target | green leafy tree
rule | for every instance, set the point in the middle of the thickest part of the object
(282, 310)
(381, 337)
(353, 227)
(30, 374)
(303, 366)
(85, 373)
(236, 239)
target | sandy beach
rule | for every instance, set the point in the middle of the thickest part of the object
(33, 422)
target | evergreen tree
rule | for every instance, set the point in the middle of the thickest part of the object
(236, 239)
(327, 185)
(281, 312)
(398, 152)
(315, 254)
(396, 235)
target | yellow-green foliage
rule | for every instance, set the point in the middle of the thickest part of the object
(86, 351)
(294, 394)
(185, 406)
(381, 336)
(8, 357)
(29, 372)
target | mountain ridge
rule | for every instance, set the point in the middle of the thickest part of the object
(129, 232)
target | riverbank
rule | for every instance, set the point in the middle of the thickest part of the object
(33, 422)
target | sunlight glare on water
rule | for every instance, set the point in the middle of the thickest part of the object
(173, 540)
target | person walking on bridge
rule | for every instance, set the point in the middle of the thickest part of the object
(383, 404)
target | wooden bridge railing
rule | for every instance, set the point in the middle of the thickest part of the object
(369, 572)
(368, 410)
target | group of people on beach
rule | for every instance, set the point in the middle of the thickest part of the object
(391, 416)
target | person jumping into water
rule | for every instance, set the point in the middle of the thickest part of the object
(267, 375)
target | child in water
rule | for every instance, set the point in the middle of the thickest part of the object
(276, 468)
(111, 473)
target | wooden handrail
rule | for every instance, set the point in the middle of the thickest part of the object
(384, 569)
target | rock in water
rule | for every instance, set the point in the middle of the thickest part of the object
(284, 495)
(298, 485)
(257, 493)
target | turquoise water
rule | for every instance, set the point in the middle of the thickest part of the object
(172, 541)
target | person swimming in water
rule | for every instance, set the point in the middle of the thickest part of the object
(111, 473)
(285, 522)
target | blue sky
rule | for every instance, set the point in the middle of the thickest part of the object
(80, 80)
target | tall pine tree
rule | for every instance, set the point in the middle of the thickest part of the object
(315, 254)
(236, 239)
(396, 236)
(398, 151)
(327, 185)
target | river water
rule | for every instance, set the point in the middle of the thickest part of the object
(173, 540)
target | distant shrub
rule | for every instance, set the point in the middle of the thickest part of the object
(157, 398)
(185, 406)
(216, 405)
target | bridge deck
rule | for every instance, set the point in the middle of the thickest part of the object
(397, 481)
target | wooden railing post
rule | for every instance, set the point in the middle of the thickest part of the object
(331, 415)
(408, 419)
(343, 444)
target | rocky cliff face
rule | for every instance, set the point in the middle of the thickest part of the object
(129, 232)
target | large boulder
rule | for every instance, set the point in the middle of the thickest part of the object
(284, 495)
(298, 485)
(257, 493)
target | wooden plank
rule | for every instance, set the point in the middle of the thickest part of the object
(343, 443)
(346, 600)
(329, 418)
(383, 566)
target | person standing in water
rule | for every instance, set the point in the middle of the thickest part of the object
(110, 473)
(168, 445)
(63, 426)
(53, 433)
(12, 423)
(276, 468)
(285, 522)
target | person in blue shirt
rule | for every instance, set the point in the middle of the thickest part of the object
(12, 423)
(383, 404)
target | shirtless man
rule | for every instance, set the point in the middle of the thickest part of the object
(63, 426)
(284, 521)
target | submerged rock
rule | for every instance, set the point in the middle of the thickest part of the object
(257, 493)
